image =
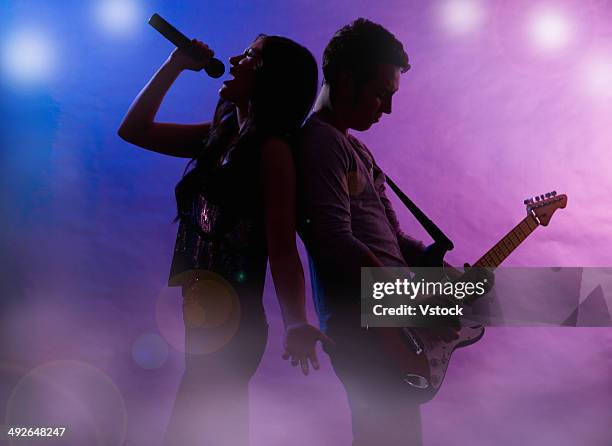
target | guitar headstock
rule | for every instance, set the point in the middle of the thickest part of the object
(544, 206)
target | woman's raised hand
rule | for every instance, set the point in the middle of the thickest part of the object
(300, 345)
(184, 59)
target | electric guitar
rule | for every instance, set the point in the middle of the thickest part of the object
(422, 359)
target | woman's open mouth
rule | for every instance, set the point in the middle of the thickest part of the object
(231, 79)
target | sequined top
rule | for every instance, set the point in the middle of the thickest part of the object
(224, 230)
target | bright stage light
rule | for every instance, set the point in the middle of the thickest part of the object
(550, 30)
(462, 16)
(118, 16)
(597, 76)
(28, 57)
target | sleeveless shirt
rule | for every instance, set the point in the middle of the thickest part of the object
(223, 231)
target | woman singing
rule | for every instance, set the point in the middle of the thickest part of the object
(236, 210)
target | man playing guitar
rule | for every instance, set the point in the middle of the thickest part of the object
(347, 222)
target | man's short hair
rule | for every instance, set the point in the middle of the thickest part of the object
(360, 47)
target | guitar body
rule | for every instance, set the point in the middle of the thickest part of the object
(422, 360)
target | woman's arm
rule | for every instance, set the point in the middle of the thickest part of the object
(285, 265)
(139, 127)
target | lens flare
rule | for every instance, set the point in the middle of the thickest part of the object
(150, 351)
(209, 313)
(73, 394)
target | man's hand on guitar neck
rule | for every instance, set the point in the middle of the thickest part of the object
(472, 275)
(475, 275)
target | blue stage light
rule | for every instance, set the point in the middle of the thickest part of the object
(119, 16)
(28, 57)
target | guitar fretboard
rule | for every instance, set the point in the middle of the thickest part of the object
(498, 253)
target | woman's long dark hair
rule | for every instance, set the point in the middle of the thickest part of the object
(284, 91)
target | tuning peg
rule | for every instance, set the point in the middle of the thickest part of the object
(537, 198)
(548, 195)
(553, 193)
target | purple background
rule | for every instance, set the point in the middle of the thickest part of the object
(483, 120)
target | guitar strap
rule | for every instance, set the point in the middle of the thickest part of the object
(441, 242)
(432, 229)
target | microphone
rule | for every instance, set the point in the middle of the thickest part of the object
(215, 67)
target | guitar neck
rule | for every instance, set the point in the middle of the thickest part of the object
(502, 249)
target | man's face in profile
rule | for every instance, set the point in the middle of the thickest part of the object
(375, 97)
